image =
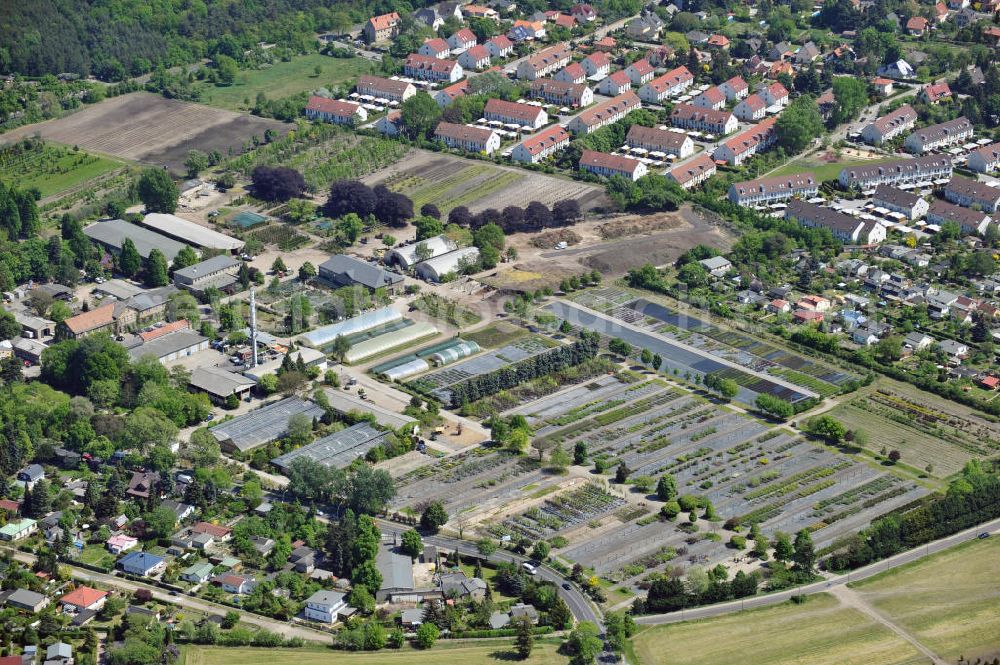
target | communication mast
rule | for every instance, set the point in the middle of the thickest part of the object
(253, 326)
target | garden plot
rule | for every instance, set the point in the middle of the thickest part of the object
(438, 381)
(560, 513)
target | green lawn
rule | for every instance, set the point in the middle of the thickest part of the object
(819, 632)
(50, 167)
(443, 653)
(97, 555)
(949, 602)
(496, 335)
(824, 170)
(283, 79)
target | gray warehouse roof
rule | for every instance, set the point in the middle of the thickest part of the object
(207, 267)
(169, 343)
(359, 272)
(264, 425)
(219, 382)
(191, 233)
(336, 450)
(113, 232)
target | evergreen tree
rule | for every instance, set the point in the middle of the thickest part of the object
(129, 260)
(524, 640)
(156, 269)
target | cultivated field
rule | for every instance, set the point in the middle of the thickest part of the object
(53, 169)
(820, 632)
(442, 654)
(147, 128)
(449, 182)
(924, 428)
(949, 602)
(283, 79)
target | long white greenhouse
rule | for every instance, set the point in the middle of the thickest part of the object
(323, 336)
(400, 372)
(462, 349)
(388, 341)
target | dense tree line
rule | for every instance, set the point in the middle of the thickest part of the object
(483, 385)
(19, 216)
(352, 196)
(972, 499)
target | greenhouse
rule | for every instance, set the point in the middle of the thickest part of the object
(389, 341)
(322, 336)
(405, 256)
(463, 349)
(433, 269)
(406, 370)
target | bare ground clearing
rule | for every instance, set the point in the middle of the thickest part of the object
(147, 128)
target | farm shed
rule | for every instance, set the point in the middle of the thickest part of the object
(388, 341)
(463, 349)
(357, 324)
(183, 230)
(111, 235)
(171, 346)
(406, 256)
(262, 426)
(336, 450)
(433, 269)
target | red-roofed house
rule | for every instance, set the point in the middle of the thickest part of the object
(917, 26)
(741, 147)
(238, 584)
(735, 88)
(217, 531)
(694, 172)
(583, 12)
(640, 72)
(562, 93)
(10, 506)
(500, 46)
(993, 33)
(989, 382)
(604, 114)
(807, 316)
(435, 48)
(673, 82)
(476, 58)
(688, 116)
(564, 21)
(446, 96)
(713, 98)
(774, 94)
(99, 319)
(334, 110)
(540, 146)
(383, 88)
(718, 41)
(883, 86)
(380, 28)
(606, 44)
(616, 84)
(429, 68)
(941, 12)
(597, 64)
(752, 108)
(606, 165)
(513, 113)
(779, 306)
(935, 92)
(571, 73)
(173, 326)
(83, 598)
(470, 139)
(462, 39)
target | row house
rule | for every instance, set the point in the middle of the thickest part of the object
(985, 159)
(616, 84)
(336, 111)
(571, 73)
(640, 72)
(890, 125)
(774, 94)
(660, 140)
(512, 113)
(970, 193)
(735, 88)
(905, 203)
(969, 220)
(475, 58)
(541, 146)
(751, 109)
(941, 135)
(762, 191)
(597, 64)
(470, 139)
(381, 28)
(688, 116)
(478, 11)
(391, 124)
(673, 82)
(562, 93)
(463, 39)
(499, 46)
(745, 145)
(844, 228)
(383, 88)
(899, 172)
(435, 48)
(428, 68)
(603, 164)
(693, 173)
(604, 113)
(445, 96)
(545, 62)
(713, 98)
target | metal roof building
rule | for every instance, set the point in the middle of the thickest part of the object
(343, 270)
(360, 323)
(406, 256)
(171, 346)
(433, 269)
(336, 450)
(263, 425)
(183, 230)
(344, 403)
(111, 233)
(219, 383)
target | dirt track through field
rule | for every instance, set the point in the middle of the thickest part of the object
(850, 598)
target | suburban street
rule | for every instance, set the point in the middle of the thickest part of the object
(896, 561)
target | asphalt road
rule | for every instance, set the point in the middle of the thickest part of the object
(825, 585)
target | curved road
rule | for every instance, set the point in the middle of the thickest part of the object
(825, 585)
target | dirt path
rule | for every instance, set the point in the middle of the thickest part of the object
(849, 598)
